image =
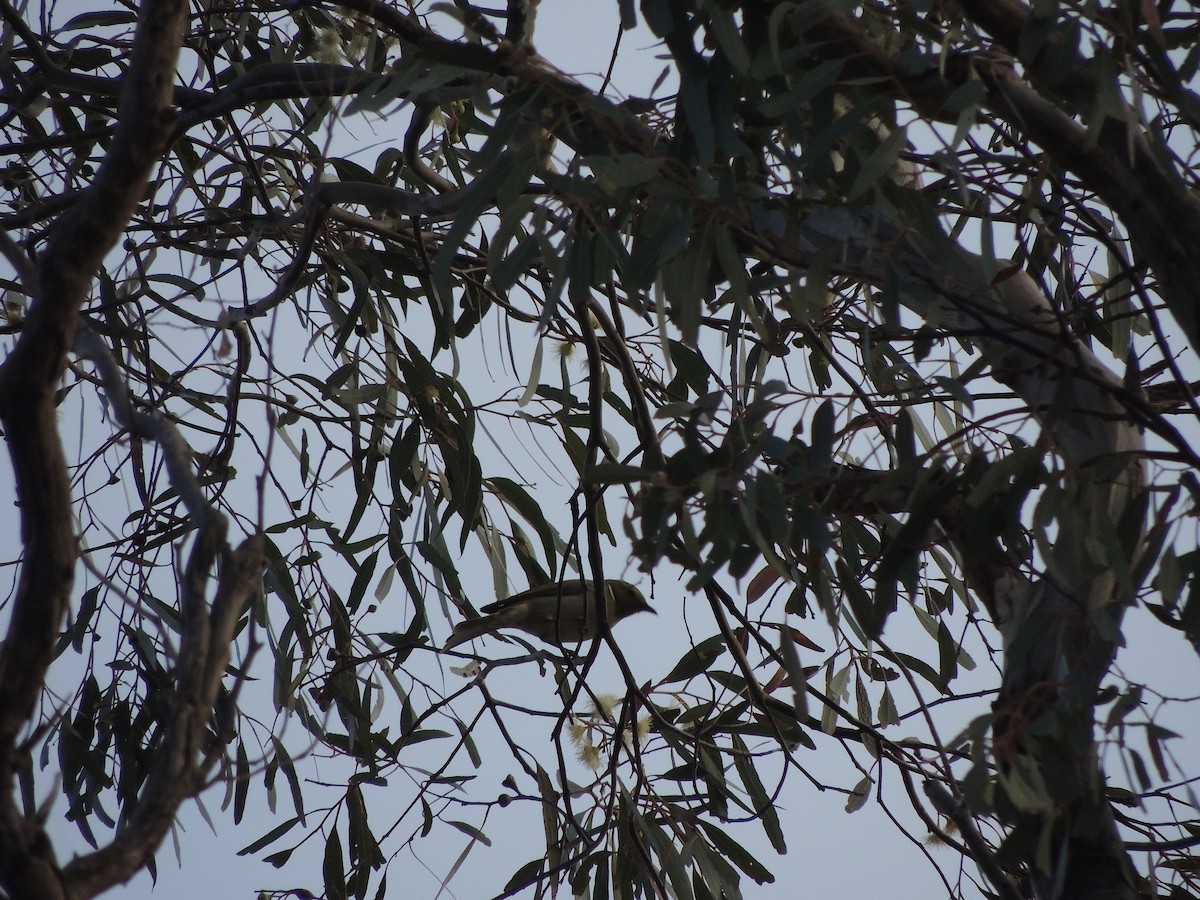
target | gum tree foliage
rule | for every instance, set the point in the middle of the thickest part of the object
(868, 316)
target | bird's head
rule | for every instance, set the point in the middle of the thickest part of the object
(627, 600)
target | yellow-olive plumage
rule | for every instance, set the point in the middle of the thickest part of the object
(563, 613)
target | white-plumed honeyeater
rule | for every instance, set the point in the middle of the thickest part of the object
(563, 613)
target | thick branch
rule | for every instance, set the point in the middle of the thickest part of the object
(30, 375)
(28, 379)
(1117, 162)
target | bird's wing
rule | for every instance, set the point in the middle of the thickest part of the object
(546, 590)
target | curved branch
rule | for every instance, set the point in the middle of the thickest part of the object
(1161, 214)
(422, 114)
(177, 772)
(28, 379)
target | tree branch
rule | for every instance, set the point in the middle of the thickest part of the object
(28, 378)
(953, 810)
(1161, 213)
(178, 771)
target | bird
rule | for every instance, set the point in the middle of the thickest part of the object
(557, 613)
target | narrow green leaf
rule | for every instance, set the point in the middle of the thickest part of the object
(697, 659)
(737, 854)
(241, 787)
(761, 804)
(535, 374)
(876, 166)
(333, 869)
(270, 837)
(821, 441)
(859, 796)
(525, 876)
(796, 675)
(471, 831)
